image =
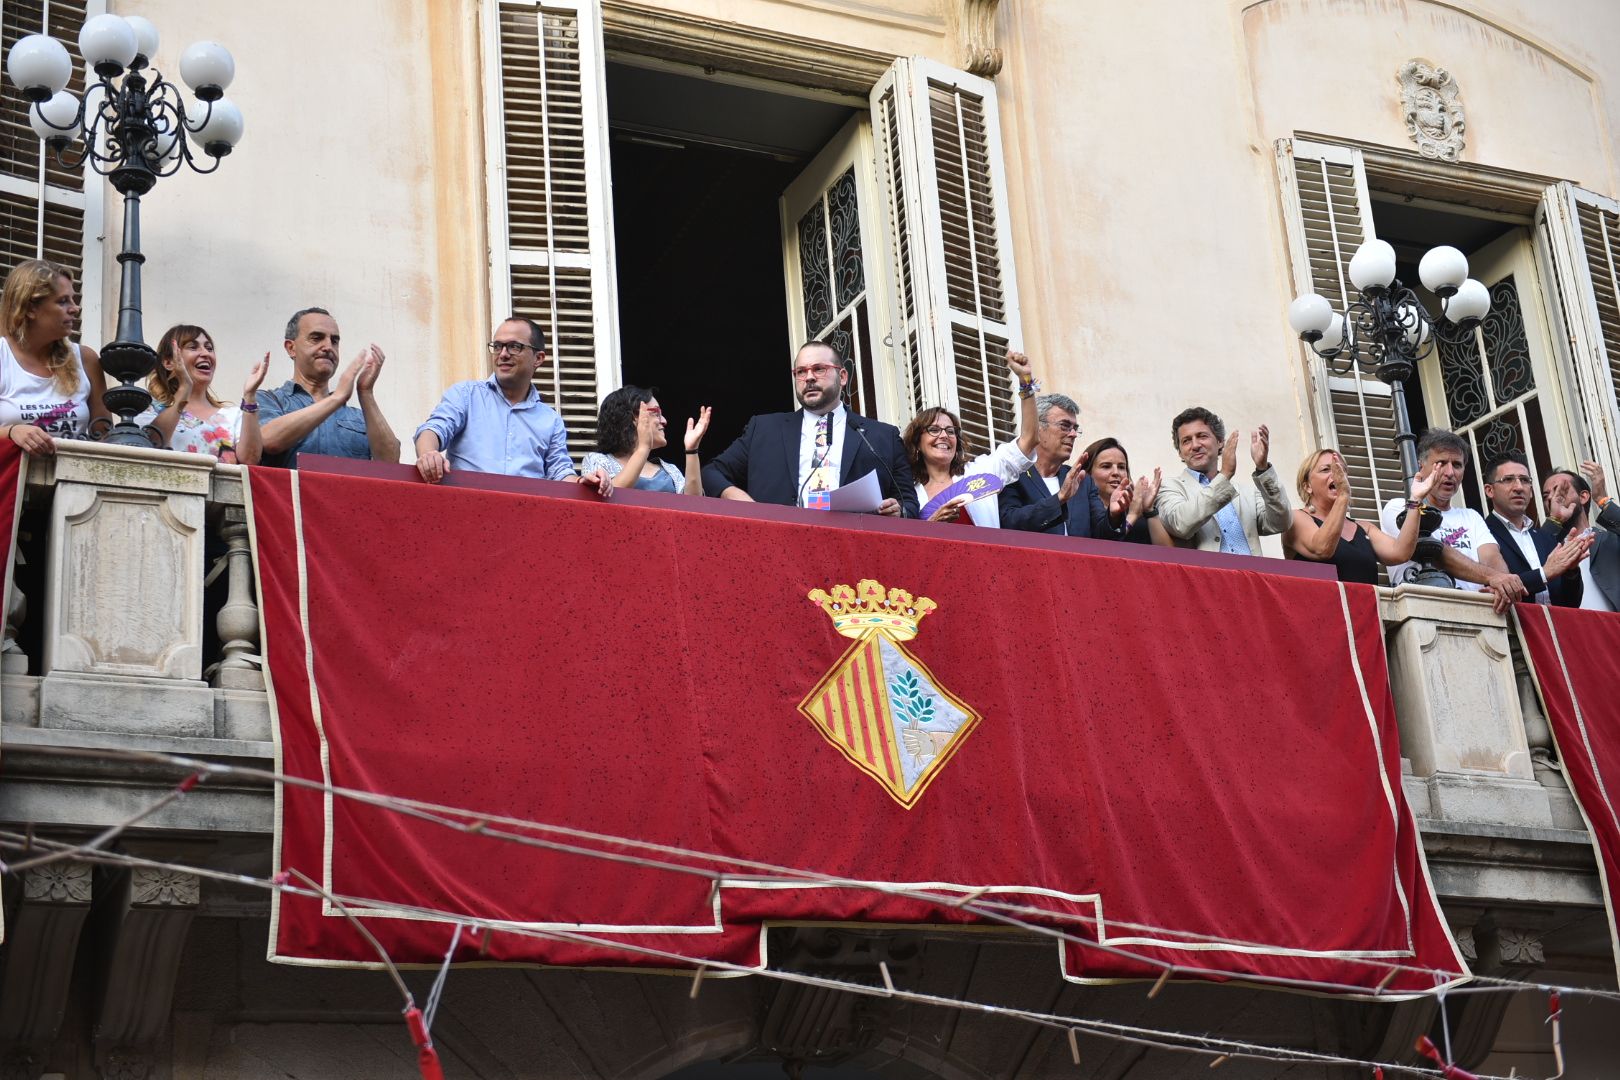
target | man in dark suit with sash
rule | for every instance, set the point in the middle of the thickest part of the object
(798, 458)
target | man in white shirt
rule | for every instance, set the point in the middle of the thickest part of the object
(1470, 554)
(1536, 553)
(1600, 573)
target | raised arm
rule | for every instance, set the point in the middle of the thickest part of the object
(168, 418)
(1025, 373)
(1319, 542)
(1394, 550)
(384, 444)
(1272, 512)
(249, 439)
(646, 428)
(284, 430)
(695, 430)
(1184, 504)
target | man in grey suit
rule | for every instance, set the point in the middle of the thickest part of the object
(1600, 573)
(1201, 507)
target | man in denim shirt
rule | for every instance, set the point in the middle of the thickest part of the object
(310, 413)
(499, 424)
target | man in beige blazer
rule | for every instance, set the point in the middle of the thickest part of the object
(1201, 507)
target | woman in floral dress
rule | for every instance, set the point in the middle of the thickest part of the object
(184, 408)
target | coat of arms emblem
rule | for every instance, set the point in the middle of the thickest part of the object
(880, 705)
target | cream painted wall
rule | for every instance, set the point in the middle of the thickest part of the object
(1148, 230)
(327, 201)
(1150, 258)
(1528, 105)
(1146, 225)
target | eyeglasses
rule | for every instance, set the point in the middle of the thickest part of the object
(939, 432)
(1068, 427)
(814, 371)
(517, 348)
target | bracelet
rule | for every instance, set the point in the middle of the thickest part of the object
(1028, 389)
(1151, 512)
(250, 406)
(691, 453)
(1557, 523)
(1413, 504)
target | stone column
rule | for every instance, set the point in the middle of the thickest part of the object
(145, 915)
(13, 661)
(1457, 701)
(238, 618)
(42, 938)
(123, 604)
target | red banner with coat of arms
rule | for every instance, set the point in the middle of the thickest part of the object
(1186, 765)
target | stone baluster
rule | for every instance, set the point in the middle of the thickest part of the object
(13, 661)
(238, 619)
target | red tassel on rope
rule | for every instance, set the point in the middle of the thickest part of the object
(1555, 1014)
(1427, 1048)
(427, 1058)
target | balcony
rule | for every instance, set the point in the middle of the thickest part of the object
(135, 628)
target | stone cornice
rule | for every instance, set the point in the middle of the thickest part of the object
(644, 30)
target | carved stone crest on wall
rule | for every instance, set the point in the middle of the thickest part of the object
(1434, 116)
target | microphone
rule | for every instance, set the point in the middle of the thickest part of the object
(893, 485)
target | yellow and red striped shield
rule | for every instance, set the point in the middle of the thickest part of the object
(886, 712)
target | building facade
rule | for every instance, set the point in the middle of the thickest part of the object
(681, 190)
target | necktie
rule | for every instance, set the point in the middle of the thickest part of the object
(817, 498)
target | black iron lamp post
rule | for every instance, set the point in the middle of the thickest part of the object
(134, 125)
(1386, 330)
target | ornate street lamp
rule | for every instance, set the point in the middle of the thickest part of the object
(134, 132)
(1386, 331)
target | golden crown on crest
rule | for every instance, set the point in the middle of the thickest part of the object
(858, 611)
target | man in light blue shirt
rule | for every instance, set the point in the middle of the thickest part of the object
(499, 424)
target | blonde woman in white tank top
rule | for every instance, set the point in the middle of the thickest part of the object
(49, 387)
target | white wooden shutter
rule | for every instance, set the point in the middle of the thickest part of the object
(551, 229)
(1579, 235)
(956, 303)
(1329, 215)
(58, 234)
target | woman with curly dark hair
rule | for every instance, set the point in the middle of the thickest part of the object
(938, 451)
(629, 427)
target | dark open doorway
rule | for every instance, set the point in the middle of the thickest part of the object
(698, 167)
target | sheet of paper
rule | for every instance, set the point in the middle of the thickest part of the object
(858, 496)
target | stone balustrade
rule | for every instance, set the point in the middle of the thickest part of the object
(134, 626)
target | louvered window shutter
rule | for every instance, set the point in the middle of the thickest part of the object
(61, 239)
(1580, 234)
(551, 243)
(1328, 214)
(956, 303)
